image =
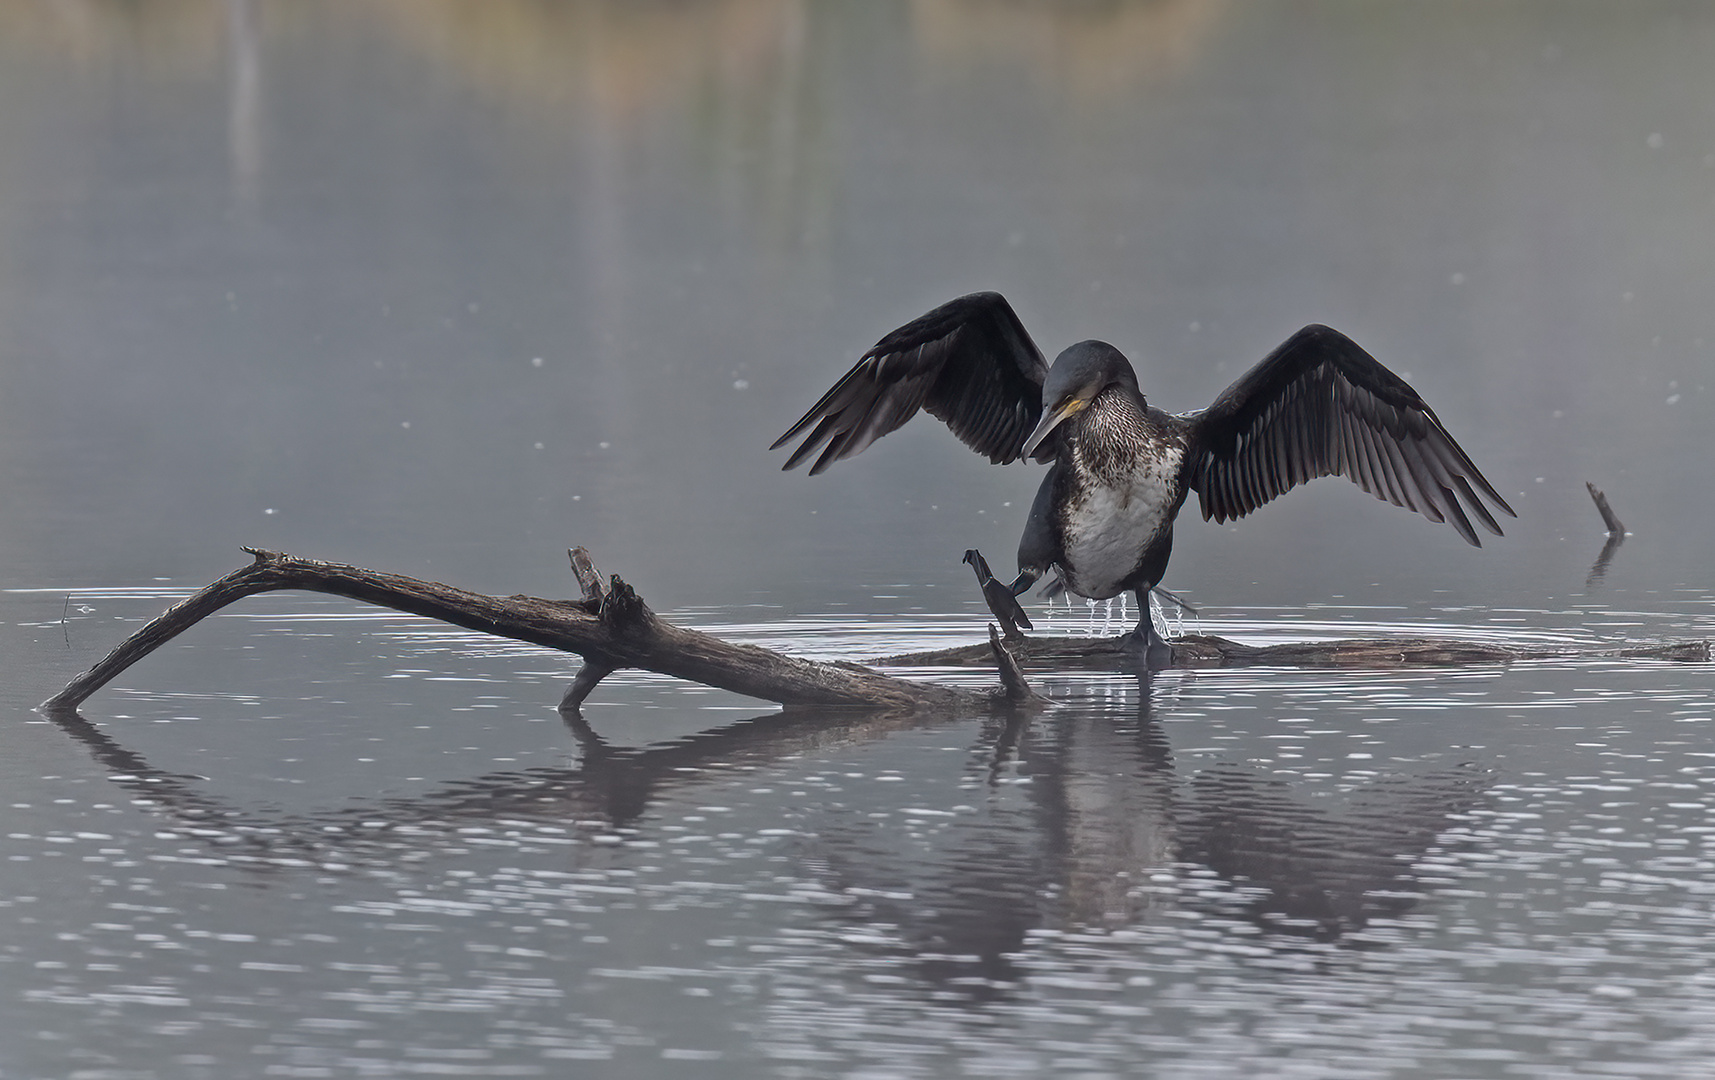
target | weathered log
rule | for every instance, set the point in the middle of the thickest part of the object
(612, 631)
(611, 628)
(589, 579)
(582, 684)
(1203, 650)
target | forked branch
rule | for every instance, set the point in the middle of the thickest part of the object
(610, 627)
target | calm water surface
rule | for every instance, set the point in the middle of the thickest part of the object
(444, 288)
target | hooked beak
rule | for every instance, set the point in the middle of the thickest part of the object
(1051, 420)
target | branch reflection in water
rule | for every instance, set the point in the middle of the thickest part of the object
(1085, 827)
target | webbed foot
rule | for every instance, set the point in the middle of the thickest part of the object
(1156, 651)
(998, 595)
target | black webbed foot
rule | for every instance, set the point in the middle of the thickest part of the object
(999, 597)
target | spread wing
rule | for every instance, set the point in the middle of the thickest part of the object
(1320, 405)
(969, 362)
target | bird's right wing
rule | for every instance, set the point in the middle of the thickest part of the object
(969, 362)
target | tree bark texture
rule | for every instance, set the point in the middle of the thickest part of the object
(612, 628)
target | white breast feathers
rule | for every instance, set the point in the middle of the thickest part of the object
(1111, 523)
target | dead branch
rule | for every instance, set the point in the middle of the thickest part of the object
(1012, 682)
(610, 628)
(1616, 528)
(1616, 536)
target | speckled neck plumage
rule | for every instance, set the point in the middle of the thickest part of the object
(1121, 483)
(1110, 437)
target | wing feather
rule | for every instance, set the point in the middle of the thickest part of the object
(1429, 487)
(1399, 478)
(1319, 405)
(969, 363)
(1378, 466)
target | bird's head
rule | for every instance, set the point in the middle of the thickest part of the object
(1078, 377)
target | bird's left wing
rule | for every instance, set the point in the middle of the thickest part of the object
(1319, 405)
(969, 362)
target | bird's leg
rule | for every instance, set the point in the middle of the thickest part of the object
(1145, 633)
(1157, 653)
(1024, 580)
(1001, 598)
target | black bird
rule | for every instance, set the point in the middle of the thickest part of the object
(1103, 518)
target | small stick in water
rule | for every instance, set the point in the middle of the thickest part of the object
(1616, 528)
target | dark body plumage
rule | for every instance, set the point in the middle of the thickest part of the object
(1318, 405)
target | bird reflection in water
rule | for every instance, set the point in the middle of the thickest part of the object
(1082, 825)
(1105, 835)
(1314, 871)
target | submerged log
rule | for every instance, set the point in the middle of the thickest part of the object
(1204, 650)
(612, 628)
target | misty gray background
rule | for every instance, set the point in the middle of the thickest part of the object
(444, 287)
(241, 249)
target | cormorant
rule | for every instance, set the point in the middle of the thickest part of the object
(1103, 518)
